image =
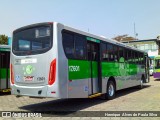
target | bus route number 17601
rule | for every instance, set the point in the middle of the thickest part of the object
(74, 68)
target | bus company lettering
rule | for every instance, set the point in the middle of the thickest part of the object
(28, 78)
(74, 68)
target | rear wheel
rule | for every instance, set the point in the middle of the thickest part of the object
(110, 90)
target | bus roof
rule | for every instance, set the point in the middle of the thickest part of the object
(5, 47)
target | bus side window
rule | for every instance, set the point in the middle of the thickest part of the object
(130, 57)
(142, 59)
(94, 53)
(116, 55)
(139, 57)
(121, 52)
(89, 52)
(136, 57)
(126, 54)
(68, 44)
(110, 52)
(157, 65)
(104, 52)
(80, 47)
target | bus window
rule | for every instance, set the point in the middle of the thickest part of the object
(116, 55)
(110, 52)
(24, 45)
(104, 52)
(139, 56)
(142, 59)
(136, 57)
(157, 64)
(37, 45)
(121, 52)
(94, 50)
(129, 56)
(80, 47)
(32, 41)
(68, 44)
(126, 54)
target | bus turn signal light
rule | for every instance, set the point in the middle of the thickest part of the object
(52, 72)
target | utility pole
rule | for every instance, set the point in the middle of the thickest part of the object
(135, 33)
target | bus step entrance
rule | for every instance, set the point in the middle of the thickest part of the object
(95, 95)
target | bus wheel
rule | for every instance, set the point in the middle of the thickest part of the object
(110, 90)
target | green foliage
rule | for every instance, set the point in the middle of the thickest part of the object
(3, 39)
(125, 37)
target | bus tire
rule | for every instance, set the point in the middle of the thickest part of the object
(110, 90)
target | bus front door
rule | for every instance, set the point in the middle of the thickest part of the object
(94, 59)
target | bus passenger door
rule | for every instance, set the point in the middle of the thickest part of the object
(94, 59)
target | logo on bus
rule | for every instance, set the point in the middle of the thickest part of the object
(28, 78)
(29, 69)
(74, 68)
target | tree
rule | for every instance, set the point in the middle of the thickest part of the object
(122, 38)
(3, 39)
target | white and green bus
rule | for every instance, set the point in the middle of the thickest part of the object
(54, 60)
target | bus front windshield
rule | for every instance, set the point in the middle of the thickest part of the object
(157, 64)
(30, 41)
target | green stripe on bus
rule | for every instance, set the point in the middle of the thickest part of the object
(110, 69)
(94, 69)
(3, 73)
(118, 69)
(80, 69)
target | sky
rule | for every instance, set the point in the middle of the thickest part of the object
(108, 18)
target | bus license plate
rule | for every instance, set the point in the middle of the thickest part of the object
(26, 61)
(28, 78)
